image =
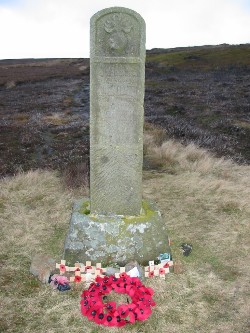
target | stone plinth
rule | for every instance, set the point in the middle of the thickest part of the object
(117, 75)
(116, 226)
(113, 238)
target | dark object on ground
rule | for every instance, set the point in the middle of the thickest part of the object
(186, 248)
(63, 287)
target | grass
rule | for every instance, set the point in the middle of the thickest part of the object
(243, 124)
(56, 119)
(203, 58)
(204, 201)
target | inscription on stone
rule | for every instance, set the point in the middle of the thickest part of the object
(116, 111)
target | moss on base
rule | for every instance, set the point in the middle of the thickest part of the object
(85, 208)
(115, 238)
(146, 213)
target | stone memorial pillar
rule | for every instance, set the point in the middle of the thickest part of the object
(116, 225)
(117, 60)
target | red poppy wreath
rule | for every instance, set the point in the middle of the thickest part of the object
(109, 314)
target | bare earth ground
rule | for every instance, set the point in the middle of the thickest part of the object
(44, 117)
(198, 95)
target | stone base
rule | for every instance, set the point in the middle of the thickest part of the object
(115, 238)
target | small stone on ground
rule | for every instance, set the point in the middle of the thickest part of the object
(42, 266)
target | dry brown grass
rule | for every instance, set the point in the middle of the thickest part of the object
(10, 84)
(172, 156)
(56, 119)
(76, 176)
(153, 136)
(204, 201)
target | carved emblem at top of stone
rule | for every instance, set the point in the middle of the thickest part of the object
(118, 27)
(117, 32)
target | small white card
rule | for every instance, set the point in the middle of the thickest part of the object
(134, 272)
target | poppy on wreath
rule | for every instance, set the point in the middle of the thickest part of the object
(143, 312)
(108, 314)
(111, 307)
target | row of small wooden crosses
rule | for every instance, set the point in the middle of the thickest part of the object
(158, 269)
(85, 273)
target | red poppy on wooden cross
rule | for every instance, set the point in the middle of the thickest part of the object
(78, 267)
(76, 278)
(99, 270)
(122, 271)
(157, 270)
(62, 267)
(89, 268)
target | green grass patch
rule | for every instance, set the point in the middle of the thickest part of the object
(204, 58)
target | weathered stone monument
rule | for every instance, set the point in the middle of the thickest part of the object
(116, 225)
(117, 96)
